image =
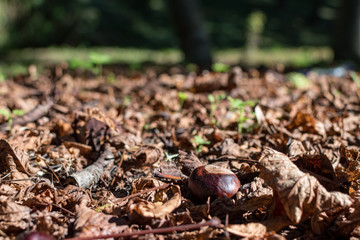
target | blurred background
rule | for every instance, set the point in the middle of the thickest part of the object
(204, 32)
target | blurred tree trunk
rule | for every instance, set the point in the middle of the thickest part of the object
(193, 39)
(346, 43)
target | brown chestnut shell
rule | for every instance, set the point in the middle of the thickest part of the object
(213, 181)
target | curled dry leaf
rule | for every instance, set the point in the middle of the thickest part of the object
(19, 157)
(253, 195)
(188, 161)
(300, 194)
(296, 149)
(147, 155)
(352, 170)
(229, 147)
(250, 230)
(141, 184)
(307, 123)
(349, 223)
(159, 209)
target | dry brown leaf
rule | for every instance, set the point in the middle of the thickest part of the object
(91, 223)
(307, 123)
(250, 230)
(352, 169)
(141, 184)
(8, 190)
(157, 209)
(318, 164)
(51, 223)
(348, 223)
(147, 155)
(296, 149)
(254, 195)
(13, 217)
(300, 194)
(20, 158)
(188, 161)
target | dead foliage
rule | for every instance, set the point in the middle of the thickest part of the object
(93, 158)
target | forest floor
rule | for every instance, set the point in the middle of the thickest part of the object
(85, 156)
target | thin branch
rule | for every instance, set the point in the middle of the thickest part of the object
(92, 173)
(36, 113)
(211, 223)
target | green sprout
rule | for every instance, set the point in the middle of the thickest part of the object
(170, 157)
(214, 102)
(355, 78)
(299, 80)
(126, 101)
(77, 63)
(94, 63)
(238, 106)
(101, 208)
(10, 115)
(2, 77)
(191, 67)
(220, 67)
(111, 78)
(182, 98)
(99, 60)
(199, 142)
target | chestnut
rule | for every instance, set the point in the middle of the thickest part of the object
(212, 181)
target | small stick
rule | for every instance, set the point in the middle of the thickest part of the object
(118, 169)
(211, 223)
(36, 113)
(162, 175)
(142, 192)
(64, 209)
(232, 158)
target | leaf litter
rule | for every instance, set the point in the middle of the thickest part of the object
(94, 159)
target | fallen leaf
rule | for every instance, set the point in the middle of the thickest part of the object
(300, 194)
(250, 230)
(148, 209)
(13, 216)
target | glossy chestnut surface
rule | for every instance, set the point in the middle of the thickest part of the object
(213, 181)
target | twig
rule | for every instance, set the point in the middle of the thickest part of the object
(211, 223)
(162, 175)
(232, 158)
(142, 192)
(118, 169)
(36, 113)
(64, 209)
(91, 174)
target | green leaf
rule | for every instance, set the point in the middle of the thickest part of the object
(355, 78)
(211, 98)
(170, 157)
(200, 141)
(220, 67)
(76, 63)
(182, 96)
(299, 80)
(18, 112)
(5, 113)
(98, 58)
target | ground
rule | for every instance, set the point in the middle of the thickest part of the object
(109, 153)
